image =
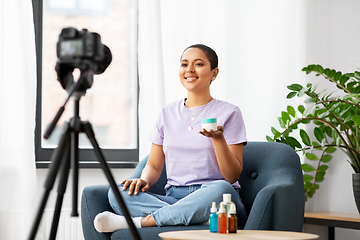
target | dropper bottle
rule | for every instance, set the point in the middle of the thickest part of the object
(213, 219)
(222, 219)
(232, 219)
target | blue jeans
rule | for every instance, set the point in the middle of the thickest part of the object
(181, 205)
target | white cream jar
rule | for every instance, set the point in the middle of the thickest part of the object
(209, 123)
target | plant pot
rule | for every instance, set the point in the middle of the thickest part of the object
(356, 188)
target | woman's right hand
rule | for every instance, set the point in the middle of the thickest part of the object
(135, 185)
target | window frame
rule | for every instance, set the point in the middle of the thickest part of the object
(116, 158)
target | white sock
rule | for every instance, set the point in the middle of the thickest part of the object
(110, 222)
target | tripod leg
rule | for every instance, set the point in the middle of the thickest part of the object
(50, 180)
(90, 134)
(75, 172)
(65, 168)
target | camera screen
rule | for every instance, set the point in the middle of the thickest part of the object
(71, 48)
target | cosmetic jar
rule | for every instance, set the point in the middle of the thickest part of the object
(209, 123)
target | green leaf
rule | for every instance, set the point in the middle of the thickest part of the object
(311, 156)
(323, 168)
(316, 145)
(285, 117)
(337, 76)
(319, 177)
(291, 95)
(338, 141)
(306, 121)
(301, 109)
(326, 158)
(269, 139)
(310, 100)
(281, 122)
(294, 143)
(357, 75)
(356, 120)
(307, 167)
(295, 87)
(276, 133)
(291, 111)
(305, 137)
(334, 134)
(307, 177)
(319, 68)
(350, 74)
(307, 69)
(303, 92)
(330, 150)
(307, 185)
(318, 134)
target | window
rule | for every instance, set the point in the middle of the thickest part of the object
(111, 103)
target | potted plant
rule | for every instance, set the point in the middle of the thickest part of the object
(324, 124)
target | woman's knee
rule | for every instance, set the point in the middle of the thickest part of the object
(220, 186)
(112, 198)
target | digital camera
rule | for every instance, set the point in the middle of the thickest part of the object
(83, 50)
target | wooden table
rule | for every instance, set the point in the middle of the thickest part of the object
(241, 234)
(333, 220)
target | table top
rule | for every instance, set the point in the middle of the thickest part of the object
(241, 234)
(334, 216)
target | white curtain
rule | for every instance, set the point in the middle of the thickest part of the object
(261, 49)
(17, 118)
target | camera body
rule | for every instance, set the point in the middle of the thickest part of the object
(74, 44)
(83, 50)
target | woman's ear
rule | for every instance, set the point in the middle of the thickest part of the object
(215, 73)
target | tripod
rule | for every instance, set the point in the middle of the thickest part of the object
(67, 155)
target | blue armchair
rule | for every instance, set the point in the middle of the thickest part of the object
(272, 192)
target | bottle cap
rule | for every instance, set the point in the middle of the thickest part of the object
(232, 209)
(221, 209)
(226, 197)
(213, 207)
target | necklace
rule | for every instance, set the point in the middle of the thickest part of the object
(193, 118)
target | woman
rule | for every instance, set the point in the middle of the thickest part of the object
(201, 165)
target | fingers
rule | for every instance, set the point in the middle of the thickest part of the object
(135, 185)
(126, 183)
(211, 133)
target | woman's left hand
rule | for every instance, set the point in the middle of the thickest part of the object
(213, 134)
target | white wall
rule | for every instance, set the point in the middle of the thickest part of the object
(263, 45)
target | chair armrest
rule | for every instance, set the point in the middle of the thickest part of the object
(279, 205)
(94, 200)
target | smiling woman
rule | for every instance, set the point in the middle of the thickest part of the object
(201, 165)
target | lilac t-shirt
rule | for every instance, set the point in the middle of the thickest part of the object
(190, 157)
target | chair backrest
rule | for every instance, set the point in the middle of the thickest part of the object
(264, 163)
(267, 163)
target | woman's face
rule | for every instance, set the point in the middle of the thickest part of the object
(195, 70)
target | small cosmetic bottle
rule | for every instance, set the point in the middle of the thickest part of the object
(222, 219)
(232, 219)
(227, 203)
(209, 123)
(213, 219)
